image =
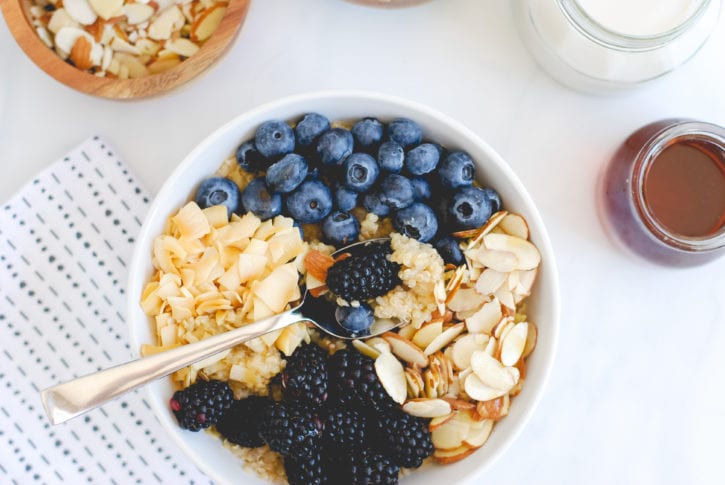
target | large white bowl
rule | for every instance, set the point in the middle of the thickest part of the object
(205, 450)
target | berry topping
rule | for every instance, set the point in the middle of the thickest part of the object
(354, 383)
(368, 133)
(310, 202)
(469, 208)
(422, 159)
(345, 198)
(405, 132)
(304, 380)
(309, 129)
(449, 250)
(218, 191)
(286, 174)
(290, 432)
(201, 404)
(274, 138)
(306, 471)
(240, 423)
(249, 159)
(456, 170)
(391, 156)
(257, 198)
(372, 203)
(396, 191)
(340, 228)
(417, 221)
(334, 146)
(360, 172)
(355, 319)
(365, 274)
(404, 438)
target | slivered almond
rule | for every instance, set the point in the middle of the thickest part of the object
(492, 373)
(492, 222)
(60, 19)
(164, 24)
(317, 263)
(526, 281)
(513, 343)
(207, 22)
(366, 349)
(80, 11)
(407, 331)
(506, 297)
(445, 338)
(137, 13)
(531, 337)
(107, 9)
(466, 299)
(405, 349)
(427, 408)
(499, 260)
(486, 318)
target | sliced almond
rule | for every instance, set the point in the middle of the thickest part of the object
(207, 22)
(527, 255)
(119, 44)
(526, 282)
(451, 434)
(407, 331)
(165, 23)
(489, 226)
(446, 457)
(405, 349)
(366, 349)
(492, 373)
(427, 333)
(181, 46)
(427, 408)
(80, 54)
(440, 421)
(494, 409)
(477, 437)
(378, 343)
(513, 343)
(479, 391)
(107, 9)
(460, 404)
(499, 260)
(137, 13)
(506, 297)
(503, 327)
(489, 281)
(485, 318)
(466, 299)
(445, 338)
(464, 347)
(161, 65)
(531, 337)
(430, 380)
(381, 325)
(317, 263)
(80, 11)
(414, 380)
(392, 376)
(515, 225)
(60, 19)
(66, 38)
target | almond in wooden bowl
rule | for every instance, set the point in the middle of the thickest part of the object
(124, 48)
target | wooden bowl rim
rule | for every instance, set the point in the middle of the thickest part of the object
(27, 38)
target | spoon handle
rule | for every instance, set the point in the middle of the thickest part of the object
(69, 399)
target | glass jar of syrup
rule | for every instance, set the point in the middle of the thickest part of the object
(664, 192)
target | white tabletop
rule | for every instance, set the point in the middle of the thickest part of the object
(636, 395)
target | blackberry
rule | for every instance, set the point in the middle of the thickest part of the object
(367, 273)
(371, 468)
(305, 471)
(240, 424)
(201, 404)
(404, 438)
(344, 430)
(289, 432)
(355, 382)
(304, 380)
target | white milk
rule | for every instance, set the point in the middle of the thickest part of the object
(639, 18)
(637, 45)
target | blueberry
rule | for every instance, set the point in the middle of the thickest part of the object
(396, 191)
(422, 159)
(421, 188)
(218, 191)
(310, 202)
(258, 200)
(360, 172)
(367, 133)
(469, 208)
(345, 198)
(450, 250)
(286, 174)
(274, 138)
(417, 221)
(494, 198)
(249, 159)
(355, 319)
(334, 146)
(390, 157)
(405, 131)
(372, 203)
(340, 228)
(309, 128)
(456, 170)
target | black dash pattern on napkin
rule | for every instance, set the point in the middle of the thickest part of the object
(66, 240)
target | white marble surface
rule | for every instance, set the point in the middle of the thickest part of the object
(636, 395)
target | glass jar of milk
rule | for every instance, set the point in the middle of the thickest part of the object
(605, 45)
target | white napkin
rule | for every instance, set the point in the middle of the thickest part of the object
(66, 240)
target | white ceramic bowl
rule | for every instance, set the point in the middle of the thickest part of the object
(205, 450)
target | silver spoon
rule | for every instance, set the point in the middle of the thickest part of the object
(72, 398)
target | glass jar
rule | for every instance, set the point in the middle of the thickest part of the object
(607, 45)
(664, 192)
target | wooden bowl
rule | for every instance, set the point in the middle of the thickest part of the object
(16, 13)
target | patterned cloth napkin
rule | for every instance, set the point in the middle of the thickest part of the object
(66, 240)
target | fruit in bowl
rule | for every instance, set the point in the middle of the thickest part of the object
(465, 247)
